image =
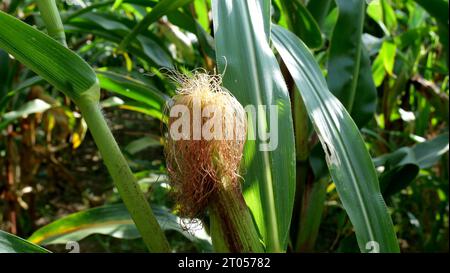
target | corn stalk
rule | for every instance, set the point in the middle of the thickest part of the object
(74, 77)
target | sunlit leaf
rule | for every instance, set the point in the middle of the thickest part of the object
(10, 243)
(348, 160)
(113, 220)
(31, 107)
(52, 61)
(252, 74)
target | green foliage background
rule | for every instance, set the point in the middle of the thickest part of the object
(386, 61)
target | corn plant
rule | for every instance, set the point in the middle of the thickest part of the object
(252, 193)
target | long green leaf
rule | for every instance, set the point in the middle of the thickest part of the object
(187, 22)
(72, 75)
(349, 68)
(113, 28)
(143, 108)
(319, 10)
(365, 103)
(348, 160)
(345, 51)
(428, 153)
(389, 16)
(265, 7)
(400, 169)
(302, 23)
(132, 88)
(146, 98)
(163, 7)
(252, 74)
(70, 15)
(10, 243)
(58, 65)
(113, 220)
(384, 62)
(437, 9)
(402, 166)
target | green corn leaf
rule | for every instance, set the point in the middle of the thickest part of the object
(400, 169)
(365, 103)
(117, 4)
(348, 160)
(265, 8)
(302, 23)
(384, 62)
(111, 102)
(72, 75)
(201, 10)
(22, 85)
(113, 28)
(349, 69)
(132, 88)
(319, 10)
(162, 8)
(389, 16)
(141, 144)
(382, 12)
(345, 51)
(52, 61)
(252, 74)
(70, 15)
(387, 51)
(402, 166)
(187, 22)
(143, 108)
(437, 9)
(146, 98)
(31, 107)
(10, 243)
(112, 220)
(378, 71)
(428, 153)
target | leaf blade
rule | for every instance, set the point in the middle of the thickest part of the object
(52, 61)
(347, 158)
(10, 243)
(345, 51)
(302, 23)
(112, 220)
(254, 77)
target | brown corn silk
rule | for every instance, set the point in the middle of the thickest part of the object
(199, 167)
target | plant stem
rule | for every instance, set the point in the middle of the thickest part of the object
(232, 227)
(301, 151)
(124, 179)
(301, 127)
(313, 200)
(52, 20)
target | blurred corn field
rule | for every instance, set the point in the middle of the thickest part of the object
(362, 96)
